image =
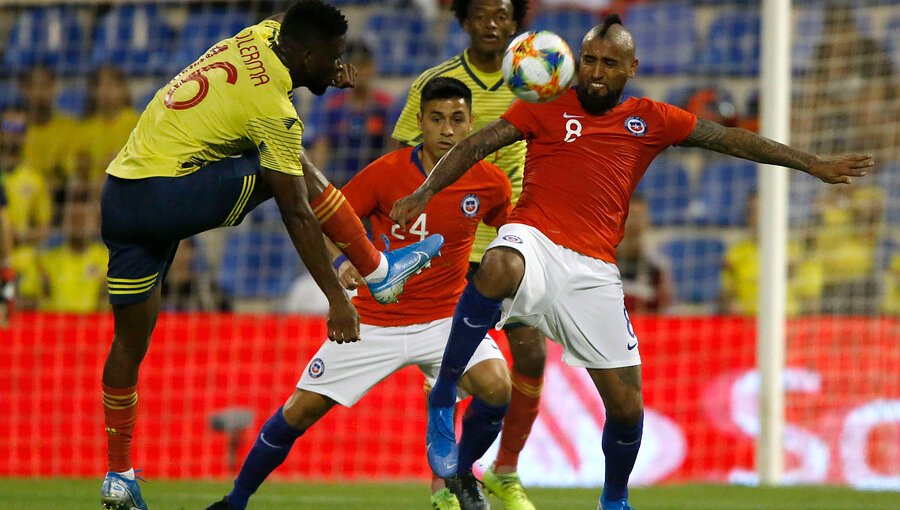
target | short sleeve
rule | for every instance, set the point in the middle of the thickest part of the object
(679, 123)
(279, 140)
(522, 117)
(502, 206)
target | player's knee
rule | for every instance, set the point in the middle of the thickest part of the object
(500, 272)
(305, 408)
(490, 382)
(529, 350)
(626, 413)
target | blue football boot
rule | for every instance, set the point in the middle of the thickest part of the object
(120, 493)
(619, 504)
(440, 441)
(403, 263)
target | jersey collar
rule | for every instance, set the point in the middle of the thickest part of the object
(416, 159)
(480, 77)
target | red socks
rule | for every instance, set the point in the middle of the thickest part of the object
(341, 224)
(523, 410)
(120, 412)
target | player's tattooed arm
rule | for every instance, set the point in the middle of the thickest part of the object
(746, 144)
(749, 145)
(470, 150)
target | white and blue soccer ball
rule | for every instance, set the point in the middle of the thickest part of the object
(538, 66)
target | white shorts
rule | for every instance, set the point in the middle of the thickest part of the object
(574, 299)
(346, 372)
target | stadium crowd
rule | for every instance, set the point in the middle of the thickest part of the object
(691, 246)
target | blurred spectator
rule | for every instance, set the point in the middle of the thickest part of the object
(741, 268)
(51, 135)
(74, 273)
(188, 285)
(109, 120)
(646, 275)
(850, 223)
(351, 130)
(306, 298)
(710, 103)
(850, 94)
(7, 273)
(30, 209)
(890, 303)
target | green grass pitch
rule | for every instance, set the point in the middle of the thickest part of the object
(55, 494)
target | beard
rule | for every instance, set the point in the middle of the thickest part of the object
(596, 104)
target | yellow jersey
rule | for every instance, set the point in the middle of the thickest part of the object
(49, 147)
(104, 137)
(233, 99)
(490, 99)
(76, 280)
(30, 205)
(741, 273)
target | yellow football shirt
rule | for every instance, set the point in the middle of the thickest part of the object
(235, 98)
(29, 199)
(104, 137)
(49, 147)
(76, 280)
(490, 99)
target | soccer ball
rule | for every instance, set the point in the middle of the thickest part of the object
(538, 66)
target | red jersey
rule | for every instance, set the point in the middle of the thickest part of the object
(581, 169)
(482, 194)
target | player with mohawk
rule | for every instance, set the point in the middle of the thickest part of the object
(553, 264)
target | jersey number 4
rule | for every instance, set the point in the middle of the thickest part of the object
(418, 228)
(199, 76)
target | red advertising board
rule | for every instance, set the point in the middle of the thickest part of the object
(842, 381)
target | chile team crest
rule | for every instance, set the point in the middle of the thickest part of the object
(636, 126)
(470, 205)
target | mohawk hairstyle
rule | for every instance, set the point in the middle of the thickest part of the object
(461, 8)
(610, 20)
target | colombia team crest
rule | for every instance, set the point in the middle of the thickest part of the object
(470, 205)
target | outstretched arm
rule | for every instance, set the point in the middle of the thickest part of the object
(453, 165)
(748, 145)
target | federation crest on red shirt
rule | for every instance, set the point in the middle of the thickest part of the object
(636, 126)
(470, 205)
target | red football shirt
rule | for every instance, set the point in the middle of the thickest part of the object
(482, 194)
(581, 169)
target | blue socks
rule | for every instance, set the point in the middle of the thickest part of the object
(620, 446)
(480, 427)
(474, 315)
(270, 449)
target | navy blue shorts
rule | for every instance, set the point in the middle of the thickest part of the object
(143, 220)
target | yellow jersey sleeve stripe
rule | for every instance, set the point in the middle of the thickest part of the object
(246, 190)
(279, 145)
(133, 280)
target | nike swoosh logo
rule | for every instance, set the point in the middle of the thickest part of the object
(262, 437)
(467, 323)
(628, 444)
(567, 116)
(631, 346)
